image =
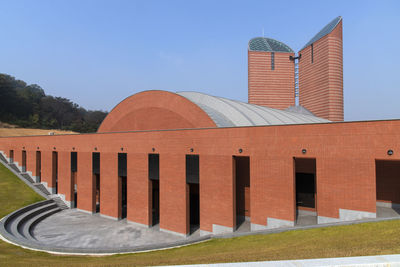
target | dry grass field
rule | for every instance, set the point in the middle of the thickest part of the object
(26, 132)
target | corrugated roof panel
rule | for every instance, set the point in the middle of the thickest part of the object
(230, 113)
(217, 105)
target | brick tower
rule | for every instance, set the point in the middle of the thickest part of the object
(270, 73)
(321, 73)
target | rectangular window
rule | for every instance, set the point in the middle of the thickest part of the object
(96, 162)
(122, 164)
(312, 53)
(74, 161)
(192, 169)
(154, 167)
(272, 60)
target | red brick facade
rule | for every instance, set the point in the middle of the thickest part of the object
(345, 156)
(267, 87)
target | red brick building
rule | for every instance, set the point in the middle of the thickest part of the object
(272, 73)
(189, 159)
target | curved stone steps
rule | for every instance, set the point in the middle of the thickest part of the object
(27, 230)
(19, 222)
(7, 221)
(18, 226)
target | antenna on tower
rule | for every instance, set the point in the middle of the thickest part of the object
(263, 32)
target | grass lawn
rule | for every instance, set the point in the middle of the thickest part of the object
(14, 193)
(339, 241)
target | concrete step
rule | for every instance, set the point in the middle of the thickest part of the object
(3, 159)
(18, 223)
(14, 167)
(29, 226)
(27, 177)
(42, 188)
(60, 203)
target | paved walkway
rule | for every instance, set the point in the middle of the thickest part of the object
(76, 229)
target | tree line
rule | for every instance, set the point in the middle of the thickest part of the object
(28, 106)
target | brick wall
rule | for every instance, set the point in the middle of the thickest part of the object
(321, 81)
(109, 189)
(47, 167)
(138, 189)
(64, 175)
(31, 161)
(85, 186)
(173, 195)
(216, 186)
(271, 88)
(388, 181)
(345, 156)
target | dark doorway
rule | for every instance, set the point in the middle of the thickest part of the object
(23, 160)
(192, 181)
(96, 180)
(194, 201)
(55, 171)
(306, 190)
(11, 156)
(155, 202)
(38, 166)
(387, 188)
(241, 172)
(154, 184)
(122, 185)
(74, 189)
(124, 199)
(74, 171)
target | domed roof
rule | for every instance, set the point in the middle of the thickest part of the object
(231, 113)
(268, 45)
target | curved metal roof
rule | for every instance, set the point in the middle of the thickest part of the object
(230, 113)
(325, 30)
(268, 45)
(299, 109)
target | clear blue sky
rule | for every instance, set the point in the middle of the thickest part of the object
(96, 53)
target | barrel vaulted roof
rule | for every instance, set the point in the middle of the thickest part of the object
(231, 113)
